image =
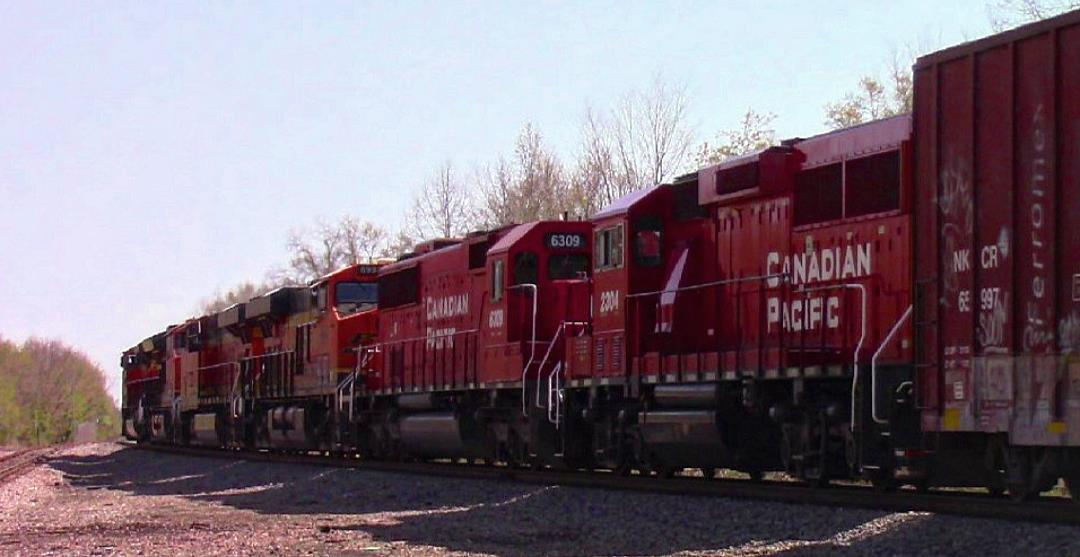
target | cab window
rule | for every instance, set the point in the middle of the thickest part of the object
(648, 242)
(568, 266)
(609, 248)
(351, 297)
(497, 281)
(525, 268)
(320, 297)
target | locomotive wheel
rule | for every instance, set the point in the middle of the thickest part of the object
(1022, 477)
(995, 465)
(814, 464)
(665, 472)
(883, 482)
(515, 450)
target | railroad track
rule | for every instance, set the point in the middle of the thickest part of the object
(14, 464)
(1057, 510)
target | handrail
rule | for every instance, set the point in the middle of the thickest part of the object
(555, 404)
(708, 284)
(341, 386)
(236, 397)
(349, 382)
(415, 339)
(858, 346)
(367, 351)
(203, 368)
(283, 355)
(267, 355)
(873, 365)
(532, 351)
(547, 353)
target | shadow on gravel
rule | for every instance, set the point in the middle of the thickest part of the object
(503, 518)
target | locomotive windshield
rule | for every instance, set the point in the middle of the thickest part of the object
(355, 296)
(568, 266)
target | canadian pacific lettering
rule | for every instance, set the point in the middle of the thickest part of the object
(816, 308)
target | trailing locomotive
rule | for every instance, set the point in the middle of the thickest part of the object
(898, 301)
(258, 374)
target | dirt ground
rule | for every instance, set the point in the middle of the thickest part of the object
(105, 499)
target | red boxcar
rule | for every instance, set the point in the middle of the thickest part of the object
(997, 127)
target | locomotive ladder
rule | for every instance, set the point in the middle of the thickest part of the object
(349, 384)
(554, 378)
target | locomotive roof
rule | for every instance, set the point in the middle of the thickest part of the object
(867, 138)
(328, 276)
(516, 233)
(413, 259)
(623, 204)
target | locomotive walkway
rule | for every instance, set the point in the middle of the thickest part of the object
(1046, 509)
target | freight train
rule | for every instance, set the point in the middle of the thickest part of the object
(897, 302)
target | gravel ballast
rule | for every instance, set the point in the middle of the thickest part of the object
(105, 499)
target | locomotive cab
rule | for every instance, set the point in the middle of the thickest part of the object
(345, 302)
(142, 375)
(538, 294)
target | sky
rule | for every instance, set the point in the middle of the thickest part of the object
(154, 153)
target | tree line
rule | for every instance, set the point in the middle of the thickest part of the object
(645, 138)
(47, 389)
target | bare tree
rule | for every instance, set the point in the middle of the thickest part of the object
(880, 98)
(530, 186)
(754, 133)
(598, 178)
(644, 140)
(326, 247)
(361, 241)
(1006, 14)
(401, 244)
(443, 207)
(313, 251)
(874, 98)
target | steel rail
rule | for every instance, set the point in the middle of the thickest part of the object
(1056, 510)
(15, 464)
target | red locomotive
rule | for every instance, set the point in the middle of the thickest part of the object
(898, 301)
(265, 373)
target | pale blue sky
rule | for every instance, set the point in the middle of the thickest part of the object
(151, 154)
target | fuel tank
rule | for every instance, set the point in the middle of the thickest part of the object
(694, 395)
(684, 438)
(439, 434)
